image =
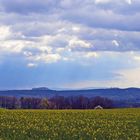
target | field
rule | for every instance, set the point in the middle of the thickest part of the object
(117, 124)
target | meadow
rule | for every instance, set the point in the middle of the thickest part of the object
(115, 124)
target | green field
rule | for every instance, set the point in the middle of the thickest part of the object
(117, 124)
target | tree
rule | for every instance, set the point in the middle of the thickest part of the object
(103, 102)
(30, 103)
(44, 104)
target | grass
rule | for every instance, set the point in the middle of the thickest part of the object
(117, 124)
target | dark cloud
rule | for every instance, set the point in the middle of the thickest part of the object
(124, 7)
(107, 19)
(117, 14)
(28, 6)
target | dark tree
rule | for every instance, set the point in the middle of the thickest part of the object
(104, 102)
(30, 103)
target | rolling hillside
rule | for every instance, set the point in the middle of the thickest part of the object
(112, 93)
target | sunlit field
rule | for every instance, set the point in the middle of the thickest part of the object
(117, 124)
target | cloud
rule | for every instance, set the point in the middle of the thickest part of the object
(5, 32)
(137, 58)
(115, 42)
(131, 77)
(98, 69)
(110, 1)
(129, 1)
(76, 44)
(49, 58)
(31, 65)
(101, 1)
(98, 37)
(63, 24)
(91, 55)
(24, 7)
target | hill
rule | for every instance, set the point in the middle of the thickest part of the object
(112, 93)
(122, 97)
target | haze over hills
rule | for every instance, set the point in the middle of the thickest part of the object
(112, 93)
(121, 97)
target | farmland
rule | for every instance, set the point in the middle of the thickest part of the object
(115, 124)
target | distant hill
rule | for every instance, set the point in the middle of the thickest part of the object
(122, 97)
(112, 93)
(41, 88)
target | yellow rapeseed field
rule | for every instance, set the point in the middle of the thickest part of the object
(117, 124)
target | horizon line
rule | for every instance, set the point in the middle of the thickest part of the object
(64, 89)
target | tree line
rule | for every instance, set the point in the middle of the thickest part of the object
(56, 102)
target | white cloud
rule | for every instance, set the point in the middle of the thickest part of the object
(77, 43)
(102, 1)
(137, 58)
(115, 42)
(47, 58)
(76, 29)
(129, 1)
(91, 55)
(130, 77)
(27, 53)
(4, 32)
(31, 65)
(107, 1)
(13, 46)
(59, 50)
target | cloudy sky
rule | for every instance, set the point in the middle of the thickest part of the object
(69, 43)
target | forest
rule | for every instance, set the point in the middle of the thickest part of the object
(56, 102)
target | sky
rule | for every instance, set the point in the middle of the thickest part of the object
(69, 44)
